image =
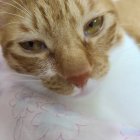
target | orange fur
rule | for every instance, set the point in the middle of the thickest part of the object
(128, 11)
(59, 24)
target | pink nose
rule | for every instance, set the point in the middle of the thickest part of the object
(79, 80)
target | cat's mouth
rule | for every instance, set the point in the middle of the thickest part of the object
(58, 84)
(77, 87)
(67, 85)
(88, 88)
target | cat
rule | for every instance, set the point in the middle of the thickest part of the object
(65, 44)
(62, 46)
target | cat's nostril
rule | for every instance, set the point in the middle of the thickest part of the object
(79, 80)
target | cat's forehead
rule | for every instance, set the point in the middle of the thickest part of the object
(76, 8)
(40, 16)
(65, 8)
(63, 17)
(69, 10)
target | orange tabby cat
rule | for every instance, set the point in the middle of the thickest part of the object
(62, 42)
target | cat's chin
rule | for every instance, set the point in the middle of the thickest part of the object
(86, 90)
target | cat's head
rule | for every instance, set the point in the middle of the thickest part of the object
(63, 42)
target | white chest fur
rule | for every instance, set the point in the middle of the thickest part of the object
(116, 96)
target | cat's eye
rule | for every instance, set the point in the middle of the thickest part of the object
(94, 26)
(33, 46)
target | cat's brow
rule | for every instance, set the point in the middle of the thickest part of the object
(66, 6)
(24, 28)
(91, 4)
(44, 15)
(35, 22)
(80, 7)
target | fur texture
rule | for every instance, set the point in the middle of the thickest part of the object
(111, 57)
(60, 25)
(128, 11)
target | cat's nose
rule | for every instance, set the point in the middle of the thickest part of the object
(79, 80)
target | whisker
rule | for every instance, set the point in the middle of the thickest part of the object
(6, 3)
(21, 2)
(5, 25)
(12, 14)
(22, 7)
(126, 24)
(23, 75)
(27, 80)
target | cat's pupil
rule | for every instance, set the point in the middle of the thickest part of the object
(91, 24)
(94, 23)
(31, 44)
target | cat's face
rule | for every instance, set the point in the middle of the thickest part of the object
(63, 42)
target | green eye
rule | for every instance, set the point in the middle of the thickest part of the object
(33, 46)
(94, 26)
